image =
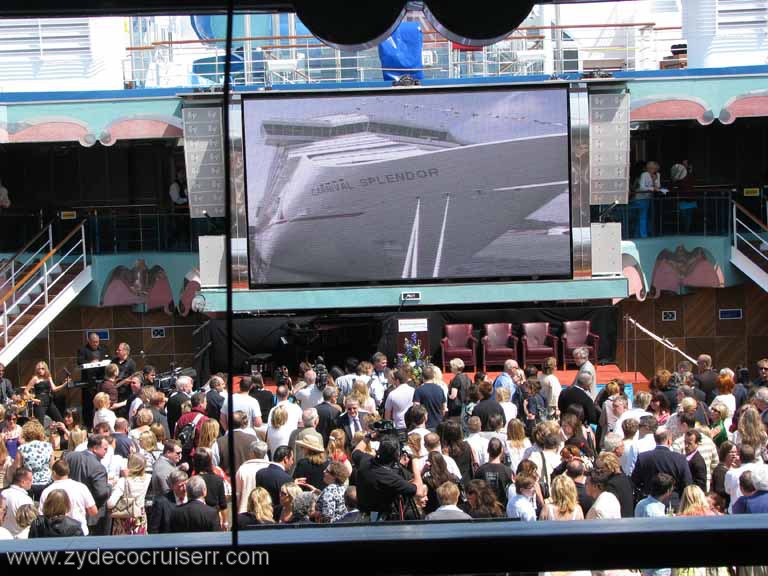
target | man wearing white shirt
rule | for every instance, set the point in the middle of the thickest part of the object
(15, 497)
(81, 500)
(294, 410)
(477, 441)
(244, 402)
(309, 396)
(748, 463)
(645, 441)
(642, 400)
(245, 478)
(377, 385)
(399, 400)
(606, 505)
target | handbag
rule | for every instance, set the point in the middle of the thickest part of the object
(543, 482)
(127, 506)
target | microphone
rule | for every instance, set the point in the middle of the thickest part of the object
(607, 211)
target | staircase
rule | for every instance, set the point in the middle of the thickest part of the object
(749, 245)
(37, 284)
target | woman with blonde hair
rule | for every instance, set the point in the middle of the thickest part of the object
(209, 433)
(102, 412)
(335, 448)
(288, 493)
(278, 432)
(564, 503)
(259, 512)
(35, 453)
(360, 393)
(144, 419)
(128, 498)
(44, 388)
(695, 503)
(157, 429)
(148, 450)
(550, 386)
(6, 464)
(751, 431)
(76, 437)
(719, 429)
(504, 398)
(25, 515)
(517, 442)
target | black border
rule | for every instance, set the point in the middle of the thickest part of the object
(343, 92)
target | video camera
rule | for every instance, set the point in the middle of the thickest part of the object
(166, 381)
(321, 370)
(384, 428)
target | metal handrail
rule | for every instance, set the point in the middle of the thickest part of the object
(59, 266)
(761, 259)
(751, 216)
(26, 246)
(40, 264)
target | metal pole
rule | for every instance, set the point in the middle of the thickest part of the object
(559, 64)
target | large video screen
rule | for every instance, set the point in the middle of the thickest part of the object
(409, 185)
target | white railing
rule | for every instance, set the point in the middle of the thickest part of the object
(749, 236)
(33, 272)
(293, 59)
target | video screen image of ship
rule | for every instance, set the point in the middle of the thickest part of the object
(351, 197)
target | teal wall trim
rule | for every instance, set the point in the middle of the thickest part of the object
(373, 297)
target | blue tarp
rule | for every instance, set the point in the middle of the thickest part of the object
(400, 54)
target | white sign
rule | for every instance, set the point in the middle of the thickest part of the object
(411, 325)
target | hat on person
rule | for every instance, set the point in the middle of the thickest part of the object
(312, 443)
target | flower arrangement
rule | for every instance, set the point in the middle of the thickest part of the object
(414, 356)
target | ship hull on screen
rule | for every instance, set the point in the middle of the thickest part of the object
(372, 193)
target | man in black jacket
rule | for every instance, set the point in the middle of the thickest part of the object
(706, 379)
(662, 459)
(487, 407)
(578, 393)
(86, 467)
(161, 511)
(327, 413)
(195, 515)
(182, 394)
(696, 462)
(214, 399)
(274, 476)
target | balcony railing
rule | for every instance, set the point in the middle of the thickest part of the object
(531, 50)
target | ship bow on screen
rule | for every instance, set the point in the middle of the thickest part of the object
(422, 185)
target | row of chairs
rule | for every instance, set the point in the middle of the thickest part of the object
(500, 343)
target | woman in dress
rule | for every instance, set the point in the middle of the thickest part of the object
(35, 453)
(278, 432)
(6, 463)
(10, 431)
(312, 467)
(148, 450)
(454, 445)
(134, 488)
(725, 386)
(751, 431)
(517, 443)
(336, 448)
(504, 397)
(102, 412)
(209, 434)
(330, 504)
(719, 429)
(41, 384)
(260, 511)
(63, 429)
(434, 474)
(550, 386)
(565, 501)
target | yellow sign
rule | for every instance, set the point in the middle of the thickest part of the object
(68, 215)
(751, 191)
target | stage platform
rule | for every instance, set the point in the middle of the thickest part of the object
(605, 374)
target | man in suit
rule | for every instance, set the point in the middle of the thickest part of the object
(327, 413)
(448, 494)
(93, 351)
(6, 388)
(182, 394)
(195, 515)
(352, 420)
(579, 394)
(275, 475)
(581, 357)
(214, 397)
(662, 459)
(353, 514)
(162, 508)
(695, 460)
(706, 379)
(86, 467)
(242, 439)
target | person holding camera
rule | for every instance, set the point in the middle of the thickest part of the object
(386, 490)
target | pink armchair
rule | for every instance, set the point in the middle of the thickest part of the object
(499, 345)
(459, 343)
(538, 343)
(576, 334)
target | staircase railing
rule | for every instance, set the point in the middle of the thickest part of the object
(750, 236)
(22, 290)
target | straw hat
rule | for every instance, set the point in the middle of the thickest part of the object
(312, 443)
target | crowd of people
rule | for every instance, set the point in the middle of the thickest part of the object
(373, 443)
